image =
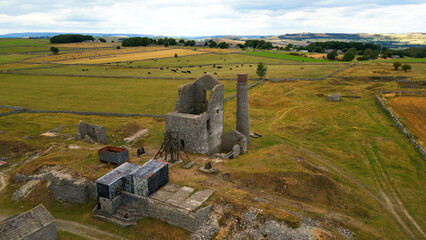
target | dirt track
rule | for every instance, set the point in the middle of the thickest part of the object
(412, 111)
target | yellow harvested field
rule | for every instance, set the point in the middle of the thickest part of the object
(412, 110)
(87, 54)
(83, 45)
(133, 56)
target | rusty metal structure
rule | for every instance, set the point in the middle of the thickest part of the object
(171, 149)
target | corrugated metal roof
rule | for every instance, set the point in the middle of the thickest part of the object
(121, 171)
(149, 168)
(25, 224)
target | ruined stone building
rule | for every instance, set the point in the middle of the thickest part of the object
(198, 117)
(36, 223)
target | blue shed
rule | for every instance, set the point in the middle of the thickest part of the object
(150, 177)
(113, 183)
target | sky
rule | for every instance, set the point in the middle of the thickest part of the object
(208, 17)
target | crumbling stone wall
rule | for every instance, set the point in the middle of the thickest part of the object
(63, 186)
(97, 133)
(198, 120)
(234, 141)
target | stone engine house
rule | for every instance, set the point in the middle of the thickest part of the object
(198, 115)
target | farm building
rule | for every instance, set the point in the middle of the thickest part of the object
(114, 155)
(36, 223)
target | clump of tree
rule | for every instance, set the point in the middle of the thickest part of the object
(258, 44)
(322, 46)
(210, 44)
(288, 47)
(349, 55)
(261, 70)
(70, 38)
(189, 43)
(406, 67)
(102, 39)
(165, 41)
(54, 50)
(396, 65)
(223, 45)
(332, 55)
(136, 41)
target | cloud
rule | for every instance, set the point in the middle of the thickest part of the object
(190, 17)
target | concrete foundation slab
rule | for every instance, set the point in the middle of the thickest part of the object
(177, 198)
(196, 200)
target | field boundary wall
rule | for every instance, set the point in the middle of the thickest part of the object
(396, 120)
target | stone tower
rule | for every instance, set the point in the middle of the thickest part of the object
(243, 125)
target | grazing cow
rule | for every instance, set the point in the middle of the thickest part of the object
(200, 66)
(250, 66)
(215, 73)
(214, 65)
(230, 68)
(149, 72)
(167, 67)
(188, 71)
(180, 67)
(83, 70)
(219, 67)
(301, 68)
(130, 62)
(236, 66)
(178, 60)
(242, 64)
(106, 68)
(205, 72)
(161, 68)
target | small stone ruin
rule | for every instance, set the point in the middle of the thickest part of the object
(333, 97)
(91, 133)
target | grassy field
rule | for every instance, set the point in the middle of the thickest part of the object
(227, 71)
(14, 42)
(342, 163)
(14, 58)
(156, 96)
(286, 56)
(204, 59)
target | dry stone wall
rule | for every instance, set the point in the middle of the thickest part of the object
(399, 124)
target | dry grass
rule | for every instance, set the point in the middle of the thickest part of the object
(133, 56)
(418, 71)
(91, 53)
(412, 111)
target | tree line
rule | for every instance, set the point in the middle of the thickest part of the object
(70, 38)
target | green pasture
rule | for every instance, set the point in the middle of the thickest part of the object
(14, 57)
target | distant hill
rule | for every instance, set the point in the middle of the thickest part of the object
(384, 40)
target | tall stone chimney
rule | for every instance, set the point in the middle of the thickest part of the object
(243, 125)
